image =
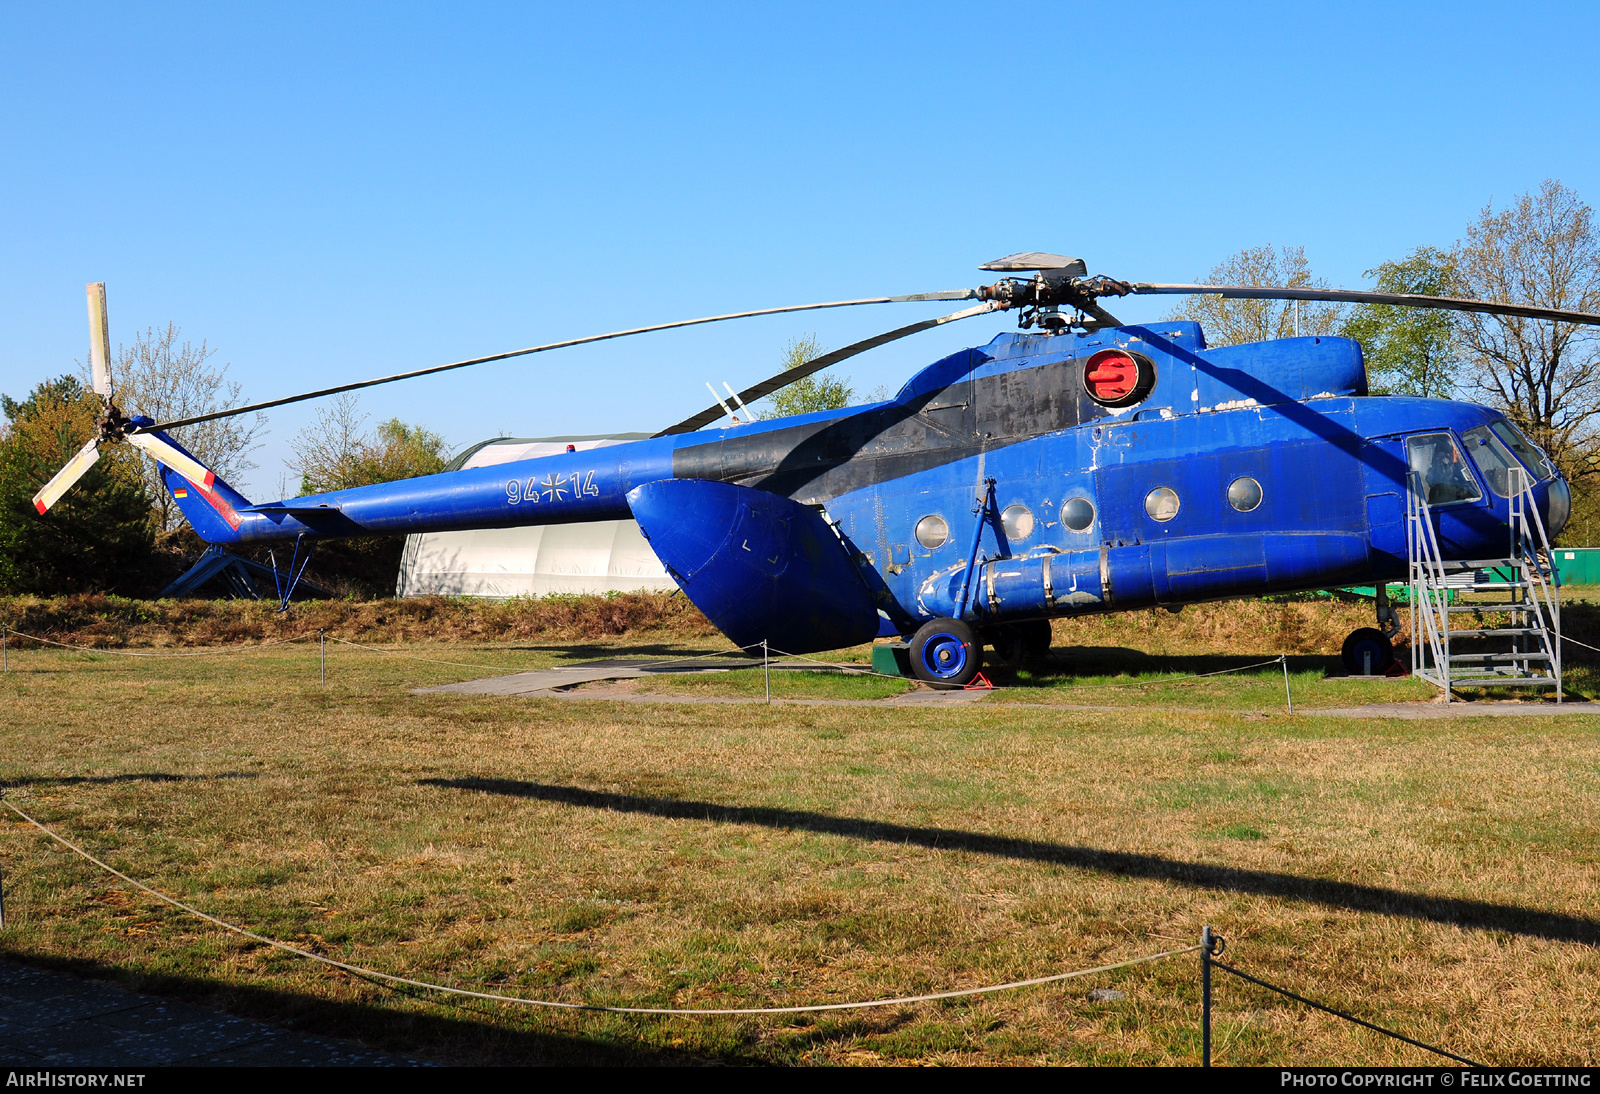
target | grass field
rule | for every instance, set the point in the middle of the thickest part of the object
(1438, 877)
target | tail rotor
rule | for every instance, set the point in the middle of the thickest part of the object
(113, 426)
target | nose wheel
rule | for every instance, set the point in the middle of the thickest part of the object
(1367, 652)
(945, 653)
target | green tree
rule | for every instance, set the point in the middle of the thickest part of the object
(1409, 351)
(100, 536)
(336, 453)
(1235, 322)
(811, 393)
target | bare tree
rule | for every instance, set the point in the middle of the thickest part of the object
(1233, 322)
(328, 447)
(159, 376)
(336, 453)
(1541, 250)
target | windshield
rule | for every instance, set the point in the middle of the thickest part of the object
(1525, 449)
(1500, 469)
(1437, 462)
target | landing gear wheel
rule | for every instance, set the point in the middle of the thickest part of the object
(945, 653)
(1015, 643)
(1367, 652)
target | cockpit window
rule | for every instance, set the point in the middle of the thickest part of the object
(1525, 449)
(1500, 469)
(1437, 462)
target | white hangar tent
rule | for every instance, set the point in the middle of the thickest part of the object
(599, 557)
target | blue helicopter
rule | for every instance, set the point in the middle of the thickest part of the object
(1076, 465)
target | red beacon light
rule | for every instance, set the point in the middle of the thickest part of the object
(1114, 377)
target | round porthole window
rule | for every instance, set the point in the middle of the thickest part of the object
(1017, 520)
(1161, 503)
(932, 531)
(1077, 514)
(1244, 493)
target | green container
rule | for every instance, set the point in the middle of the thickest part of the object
(892, 659)
(1578, 565)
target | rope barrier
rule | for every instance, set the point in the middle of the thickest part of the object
(1341, 1014)
(222, 651)
(847, 667)
(839, 666)
(1585, 645)
(373, 974)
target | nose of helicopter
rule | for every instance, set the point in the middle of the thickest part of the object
(1557, 506)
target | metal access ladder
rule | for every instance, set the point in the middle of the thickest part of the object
(1524, 649)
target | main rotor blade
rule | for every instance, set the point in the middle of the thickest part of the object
(817, 364)
(99, 338)
(958, 294)
(64, 479)
(181, 462)
(1344, 296)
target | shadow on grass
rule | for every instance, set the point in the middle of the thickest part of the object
(112, 780)
(469, 1036)
(1475, 914)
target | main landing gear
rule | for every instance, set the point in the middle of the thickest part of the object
(945, 653)
(948, 653)
(1370, 651)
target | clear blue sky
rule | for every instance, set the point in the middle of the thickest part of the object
(327, 192)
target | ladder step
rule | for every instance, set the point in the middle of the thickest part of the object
(1487, 658)
(1508, 606)
(1495, 633)
(1501, 681)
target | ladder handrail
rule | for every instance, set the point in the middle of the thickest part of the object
(1426, 563)
(1545, 596)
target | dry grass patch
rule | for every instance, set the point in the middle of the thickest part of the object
(1436, 876)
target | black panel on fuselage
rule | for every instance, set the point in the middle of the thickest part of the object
(816, 461)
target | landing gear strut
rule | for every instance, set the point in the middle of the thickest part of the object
(1015, 643)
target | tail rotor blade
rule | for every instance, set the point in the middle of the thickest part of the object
(99, 339)
(181, 462)
(75, 469)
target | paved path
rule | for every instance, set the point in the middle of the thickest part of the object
(617, 668)
(51, 1018)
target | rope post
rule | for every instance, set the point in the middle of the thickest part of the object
(5, 657)
(322, 654)
(1287, 697)
(766, 671)
(1205, 996)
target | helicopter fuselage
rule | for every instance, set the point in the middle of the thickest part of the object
(1236, 471)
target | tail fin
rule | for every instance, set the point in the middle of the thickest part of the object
(213, 511)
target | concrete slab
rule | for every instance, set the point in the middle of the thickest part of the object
(619, 668)
(51, 1018)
